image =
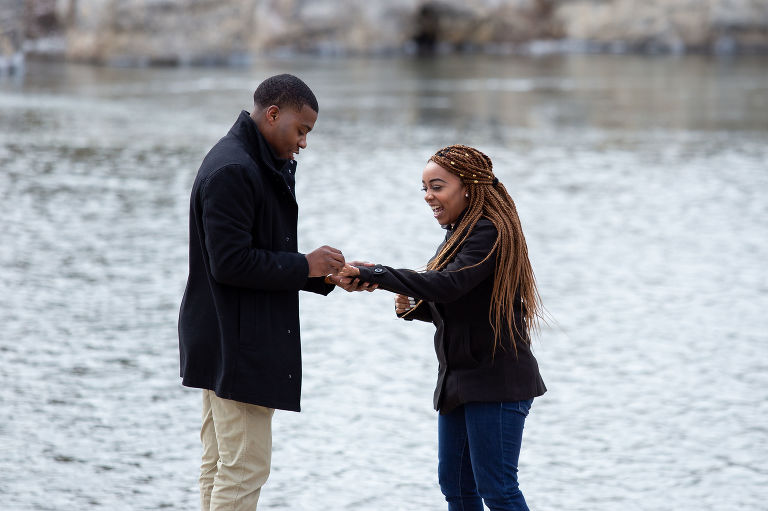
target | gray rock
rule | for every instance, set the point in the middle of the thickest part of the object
(669, 25)
(135, 32)
(11, 36)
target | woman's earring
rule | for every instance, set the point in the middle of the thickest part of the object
(466, 195)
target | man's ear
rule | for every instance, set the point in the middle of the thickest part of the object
(272, 114)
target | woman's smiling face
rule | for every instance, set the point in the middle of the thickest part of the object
(444, 192)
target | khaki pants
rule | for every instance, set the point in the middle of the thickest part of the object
(237, 452)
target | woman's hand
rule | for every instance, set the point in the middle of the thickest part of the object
(348, 271)
(346, 280)
(404, 303)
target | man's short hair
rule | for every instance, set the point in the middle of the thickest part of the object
(284, 90)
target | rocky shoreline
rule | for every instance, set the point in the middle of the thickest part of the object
(227, 32)
(11, 36)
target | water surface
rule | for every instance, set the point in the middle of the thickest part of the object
(641, 185)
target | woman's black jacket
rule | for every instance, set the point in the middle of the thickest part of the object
(239, 318)
(458, 301)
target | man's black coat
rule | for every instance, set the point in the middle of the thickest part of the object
(239, 318)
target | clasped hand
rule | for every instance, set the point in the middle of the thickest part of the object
(346, 278)
(329, 262)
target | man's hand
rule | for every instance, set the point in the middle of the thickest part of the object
(404, 303)
(349, 283)
(325, 260)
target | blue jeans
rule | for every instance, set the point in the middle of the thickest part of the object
(479, 446)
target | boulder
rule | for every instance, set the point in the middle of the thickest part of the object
(229, 31)
(11, 36)
(667, 25)
(135, 32)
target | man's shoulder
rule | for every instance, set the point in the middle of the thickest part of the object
(227, 151)
(228, 155)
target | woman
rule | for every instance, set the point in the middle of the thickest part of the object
(479, 291)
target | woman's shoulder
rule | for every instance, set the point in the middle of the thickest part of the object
(485, 222)
(485, 227)
(482, 235)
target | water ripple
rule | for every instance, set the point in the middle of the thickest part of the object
(645, 218)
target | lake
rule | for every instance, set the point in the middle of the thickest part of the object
(641, 185)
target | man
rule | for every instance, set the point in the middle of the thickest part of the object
(239, 318)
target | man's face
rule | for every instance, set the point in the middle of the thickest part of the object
(287, 128)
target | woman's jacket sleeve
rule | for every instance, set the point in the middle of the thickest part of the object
(422, 312)
(470, 267)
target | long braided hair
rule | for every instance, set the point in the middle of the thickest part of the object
(513, 273)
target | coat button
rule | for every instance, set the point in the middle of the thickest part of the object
(289, 330)
(290, 376)
(287, 238)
